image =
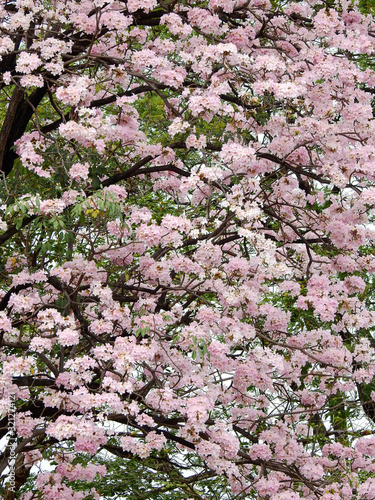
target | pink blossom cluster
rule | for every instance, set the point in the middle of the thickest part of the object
(187, 227)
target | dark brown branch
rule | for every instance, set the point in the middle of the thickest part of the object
(13, 230)
(15, 289)
(19, 113)
(102, 102)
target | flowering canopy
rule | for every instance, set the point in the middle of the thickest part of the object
(188, 192)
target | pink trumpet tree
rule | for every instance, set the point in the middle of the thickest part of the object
(187, 203)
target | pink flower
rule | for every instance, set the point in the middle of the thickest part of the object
(50, 207)
(79, 171)
(27, 62)
(146, 5)
(312, 471)
(68, 337)
(260, 451)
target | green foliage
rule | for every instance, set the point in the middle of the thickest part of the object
(153, 478)
(367, 6)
